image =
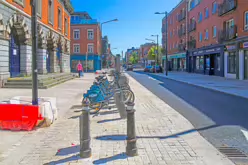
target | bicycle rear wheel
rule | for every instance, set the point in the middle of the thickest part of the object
(128, 96)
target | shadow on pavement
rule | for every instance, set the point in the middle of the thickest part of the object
(74, 117)
(76, 107)
(112, 158)
(123, 137)
(108, 112)
(108, 120)
(68, 150)
(62, 161)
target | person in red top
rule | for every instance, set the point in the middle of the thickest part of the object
(79, 69)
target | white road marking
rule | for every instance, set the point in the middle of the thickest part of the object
(151, 78)
(245, 133)
(155, 80)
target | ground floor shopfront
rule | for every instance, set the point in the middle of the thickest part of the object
(90, 63)
(176, 62)
(236, 60)
(207, 60)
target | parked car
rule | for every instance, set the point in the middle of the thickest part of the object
(129, 67)
(157, 69)
(147, 68)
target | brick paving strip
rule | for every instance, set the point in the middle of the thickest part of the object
(164, 137)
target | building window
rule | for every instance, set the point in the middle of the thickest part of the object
(90, 48)
(201, 63)
(200, 36)
(66, 27)
(76, 48)
(76, 34)
(197, 63)
(200, 17)
(50, 11)
(246, 20)
(206, 34)
(90, 34)
(39, 8)
(231, 66)
(218, 62)
(214, 7)
(20, 2)
(206, 13)
(59, 19)
(191, 4)
(214, 31)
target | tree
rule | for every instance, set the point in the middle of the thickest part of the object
(152, 54)
(134, 58)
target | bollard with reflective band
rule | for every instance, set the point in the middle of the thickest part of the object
(131, 149)
(85, 150)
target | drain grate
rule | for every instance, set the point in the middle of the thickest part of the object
(232, 152)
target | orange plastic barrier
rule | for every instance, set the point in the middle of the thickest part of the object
(19, 117)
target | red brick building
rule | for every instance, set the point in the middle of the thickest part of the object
(217, 32)
(216, 37)
(176, 36)
(85, 42)
(144, 50)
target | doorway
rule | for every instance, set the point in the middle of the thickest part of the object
(48, 62)
(246, 65)
(14, 57)
(212, 64)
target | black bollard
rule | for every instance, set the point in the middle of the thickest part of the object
(84, 121)
(131, 149)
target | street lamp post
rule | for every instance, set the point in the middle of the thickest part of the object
(157, 50)
(34, 53)
(114, 20)
(108, 62)
(166, 40)
(153, 41)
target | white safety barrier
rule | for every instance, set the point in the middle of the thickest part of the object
(47, 106)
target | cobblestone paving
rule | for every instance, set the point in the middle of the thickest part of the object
(164, 138)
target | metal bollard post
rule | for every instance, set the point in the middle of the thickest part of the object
(85, 150)
(120, 105)
(118, 63)
(131, 149)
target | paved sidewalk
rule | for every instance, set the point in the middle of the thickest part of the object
(15, 146)
(229, 86)
(164, 138)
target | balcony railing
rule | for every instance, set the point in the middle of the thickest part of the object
(228, 34)
(181, 16)
(192, 26)
(192, 44)
(181, 32)
(227, 6)
(182, 47)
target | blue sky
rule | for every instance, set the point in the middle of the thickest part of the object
(137, 20)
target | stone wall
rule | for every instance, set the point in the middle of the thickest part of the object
(66, 63)
(4, 61)
(42, 57)
(26, 59)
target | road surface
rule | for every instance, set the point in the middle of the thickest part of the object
(222, 119)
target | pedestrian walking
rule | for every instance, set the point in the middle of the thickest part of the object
(79, 69)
